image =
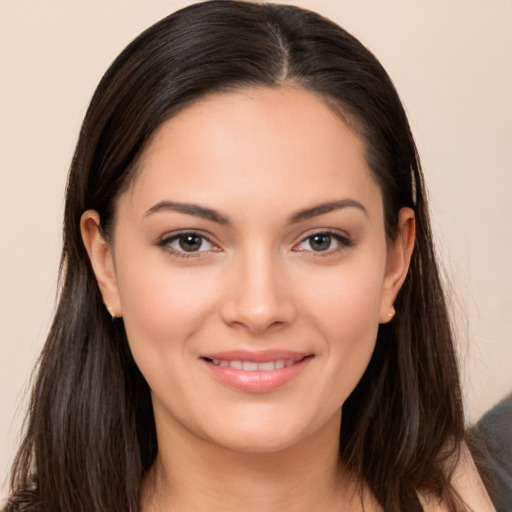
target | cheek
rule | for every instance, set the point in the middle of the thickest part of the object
(349, 320)
(163, 307)
(347, 299)
(347, 315)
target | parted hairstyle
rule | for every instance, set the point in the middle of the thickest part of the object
(90, 434)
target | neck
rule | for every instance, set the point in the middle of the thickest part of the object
(193, 474)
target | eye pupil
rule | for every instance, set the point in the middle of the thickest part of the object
(190, 243)
(320, 242)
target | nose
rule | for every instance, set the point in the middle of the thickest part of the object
(259, 297)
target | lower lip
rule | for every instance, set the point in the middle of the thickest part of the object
(257, 381)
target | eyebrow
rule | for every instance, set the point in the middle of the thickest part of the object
(214, 216)
(324, 208)
(189, 209)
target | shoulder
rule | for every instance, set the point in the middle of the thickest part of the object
(468, 484)
(491, 437)
(495, 433)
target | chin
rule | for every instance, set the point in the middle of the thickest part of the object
(256, 443)
(267, 436)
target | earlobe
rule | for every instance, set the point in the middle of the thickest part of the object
(100, 256)
(397, 264)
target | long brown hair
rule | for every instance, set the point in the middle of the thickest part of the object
(90, 435)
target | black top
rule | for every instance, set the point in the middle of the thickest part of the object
(493, 435)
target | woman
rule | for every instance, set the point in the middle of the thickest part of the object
(251, 313)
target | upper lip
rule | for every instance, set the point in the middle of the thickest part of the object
(260, 356)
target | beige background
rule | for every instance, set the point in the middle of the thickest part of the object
(451, 61)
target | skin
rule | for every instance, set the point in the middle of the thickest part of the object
(255, 281)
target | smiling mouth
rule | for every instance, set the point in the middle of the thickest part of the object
(256, 372)
(264, 366)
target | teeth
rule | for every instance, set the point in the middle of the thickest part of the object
(271, 365)
(252, 366)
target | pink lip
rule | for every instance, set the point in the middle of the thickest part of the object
(258, 357)
(256, 381)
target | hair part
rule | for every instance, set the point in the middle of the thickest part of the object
(403, 423)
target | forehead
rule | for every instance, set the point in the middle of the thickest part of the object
(255, 145)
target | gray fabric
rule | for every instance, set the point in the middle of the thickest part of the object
(494, 435)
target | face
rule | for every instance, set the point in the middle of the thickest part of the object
(250, 265)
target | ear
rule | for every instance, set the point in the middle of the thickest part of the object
(397, 263)
(102, 262)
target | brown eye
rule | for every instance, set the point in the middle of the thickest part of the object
(190, 242)
(187, 243)
(320, 242)
(326, 241)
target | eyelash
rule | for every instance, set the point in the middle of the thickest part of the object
(343, 240)
(166, 242)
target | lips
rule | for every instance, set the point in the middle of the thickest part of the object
(256, 372)
(278, 364)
